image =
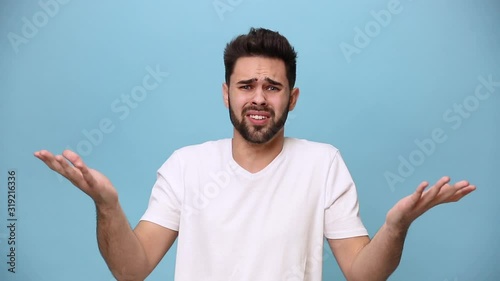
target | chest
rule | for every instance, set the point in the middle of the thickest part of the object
(267, 207)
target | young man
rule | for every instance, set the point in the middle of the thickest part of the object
(256, 206)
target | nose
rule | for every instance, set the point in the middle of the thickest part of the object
(259, 97)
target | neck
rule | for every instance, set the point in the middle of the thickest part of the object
(255, 157)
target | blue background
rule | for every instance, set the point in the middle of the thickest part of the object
(63, 78)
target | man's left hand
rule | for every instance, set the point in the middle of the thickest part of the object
(411, 207)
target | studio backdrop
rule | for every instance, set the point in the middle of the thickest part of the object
(407, 90)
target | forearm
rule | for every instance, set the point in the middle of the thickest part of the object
(379, 258)
(119, 246)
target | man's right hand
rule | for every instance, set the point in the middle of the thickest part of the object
(90, 181)
(129, 254)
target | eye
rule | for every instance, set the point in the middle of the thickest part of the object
(246, 87)
(273, 88)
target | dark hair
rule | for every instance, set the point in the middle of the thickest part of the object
(265, 43)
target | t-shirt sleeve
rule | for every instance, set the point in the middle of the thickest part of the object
(342, 219)
(165, 202)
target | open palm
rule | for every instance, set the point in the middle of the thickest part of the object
(90, 181)
(414, 205)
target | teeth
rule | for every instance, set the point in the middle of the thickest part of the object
(258, 117)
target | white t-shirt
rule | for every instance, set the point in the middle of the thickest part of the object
(270, 225)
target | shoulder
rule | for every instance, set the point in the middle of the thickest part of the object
(205, 146)
(309, 148)
(209, 149)
(207, 153)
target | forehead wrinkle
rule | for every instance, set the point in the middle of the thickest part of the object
(256, 69)
(253, 80)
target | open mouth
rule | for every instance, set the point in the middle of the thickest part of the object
(258, 117)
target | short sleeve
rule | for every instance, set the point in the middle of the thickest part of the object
(342, 219)
(165, 203)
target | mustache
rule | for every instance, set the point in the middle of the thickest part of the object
(258, 108)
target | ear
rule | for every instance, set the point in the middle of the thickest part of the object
(294, 96)
(225, 94)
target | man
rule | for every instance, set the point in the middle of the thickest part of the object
(256, 206)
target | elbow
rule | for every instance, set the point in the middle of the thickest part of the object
(371, 277)
(128, 277)
(353, 278)
(125, 274)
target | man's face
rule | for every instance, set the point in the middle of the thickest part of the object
(259, 98)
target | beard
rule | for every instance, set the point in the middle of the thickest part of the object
(254, 133)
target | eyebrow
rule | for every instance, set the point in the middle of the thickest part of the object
(248, 81)
(272, 82)
(252, 80)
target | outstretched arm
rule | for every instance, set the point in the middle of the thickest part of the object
(130, 255)
(362, 259)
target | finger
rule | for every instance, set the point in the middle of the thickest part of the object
(37, 154)
(442, 181)
(49, 160)
(419, 191)
(461, 184)
(421, 187)
(72, 157)
(43, 154)
(468, 189)
(77, 161)
(40, 152)
(70, 172)
(432, 193)
(449, 191)
(462, 193)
